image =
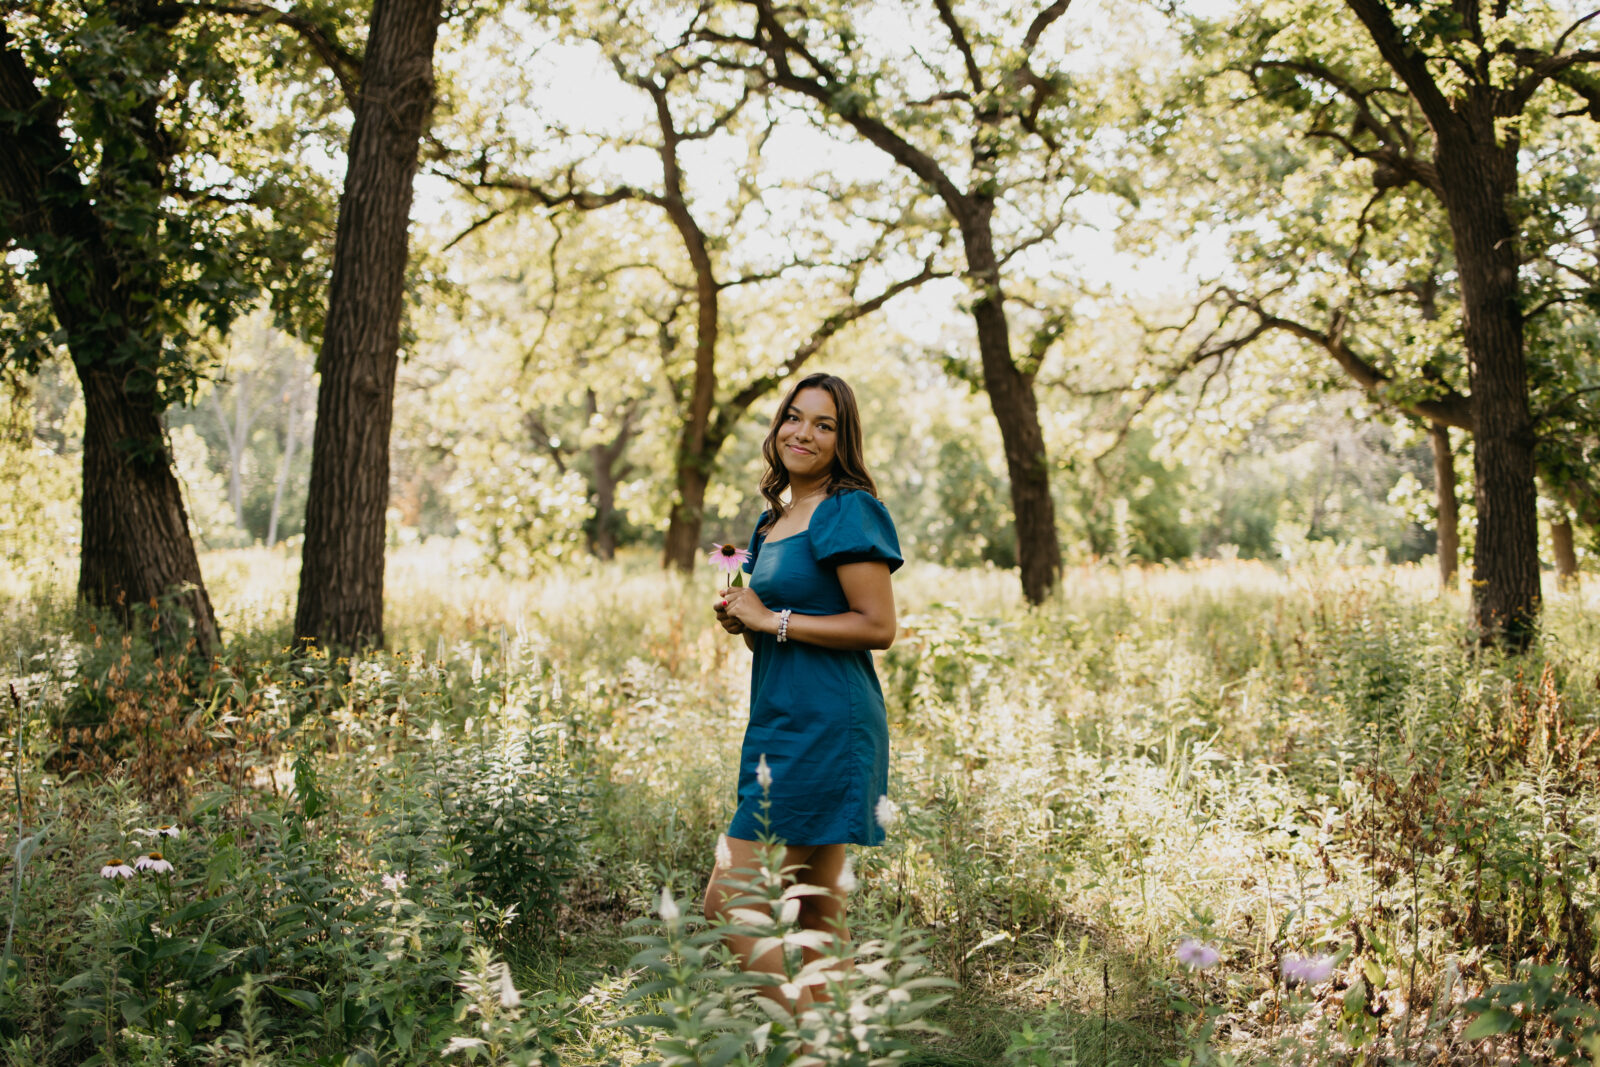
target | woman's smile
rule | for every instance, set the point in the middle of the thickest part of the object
(807, 432)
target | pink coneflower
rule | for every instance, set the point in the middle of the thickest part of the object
(730, 560)
(116, 869)
(1197, 954)
(152, 861)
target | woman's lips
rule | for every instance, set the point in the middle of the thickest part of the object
(798, 451)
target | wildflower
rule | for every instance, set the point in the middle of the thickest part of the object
(724, 853)
(1307, 970)
(888, 813)
(116, 869)
(477, 668)
(729, 559)
(394, 882)
(1197, 954)
(152, 861)
(509, 997)
(847, 877)
(669, 907)
(764, 773)
(164, 830)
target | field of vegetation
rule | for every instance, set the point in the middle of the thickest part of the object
(1218, 813)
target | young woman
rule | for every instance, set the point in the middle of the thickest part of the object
(819, 600)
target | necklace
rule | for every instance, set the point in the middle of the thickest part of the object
(800, 500)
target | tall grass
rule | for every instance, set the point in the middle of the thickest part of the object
(1283, 765)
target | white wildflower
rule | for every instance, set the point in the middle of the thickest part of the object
(152, 861)
(847, 877)
(477, 668)
(116, 869)
(509, 997)
(724, 852)
(888, 812)
(164, 830)
(669, 907)
(394, 882)
(764, 773)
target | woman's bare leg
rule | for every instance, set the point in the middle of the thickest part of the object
(818, 865)
(823, 912)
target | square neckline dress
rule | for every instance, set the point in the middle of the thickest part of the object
(816, 714)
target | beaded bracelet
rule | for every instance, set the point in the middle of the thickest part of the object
(783, 625)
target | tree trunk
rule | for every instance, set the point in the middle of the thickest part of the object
(341, 575)
(1478, 177)
(135, 539)
(696, 453)
(606, 462)
(604, 543)
(291, 435)
(1566, 553)
(688, 514)
(1016, 409)
(136, 544)
(1445, 505)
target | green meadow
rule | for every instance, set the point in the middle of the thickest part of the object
(1215, 813)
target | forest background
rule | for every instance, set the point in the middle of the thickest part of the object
(378, 375)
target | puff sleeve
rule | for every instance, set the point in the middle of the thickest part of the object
(854, 527)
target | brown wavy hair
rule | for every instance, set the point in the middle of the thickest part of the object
(849, 466)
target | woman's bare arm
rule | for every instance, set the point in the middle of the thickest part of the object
(870, 623)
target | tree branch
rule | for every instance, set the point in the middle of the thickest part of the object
(958, 36)
(344, 64)
(731, 410)
(1407, 61)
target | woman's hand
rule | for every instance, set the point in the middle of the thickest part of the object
(747, 610)
(729, 623)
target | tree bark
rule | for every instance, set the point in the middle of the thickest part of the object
(688, 513)
(1016, 409)
(1445, 505)
(341, 576)
(1566, 553)
(1474, 174)
(1478, 177)
(135, 545)
(695, 454)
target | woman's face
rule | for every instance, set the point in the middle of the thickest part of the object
(807, 435)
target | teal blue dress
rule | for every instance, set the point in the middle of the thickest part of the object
(816, 713)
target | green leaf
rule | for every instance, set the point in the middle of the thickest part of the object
(1490, 1023)
(301, 997)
